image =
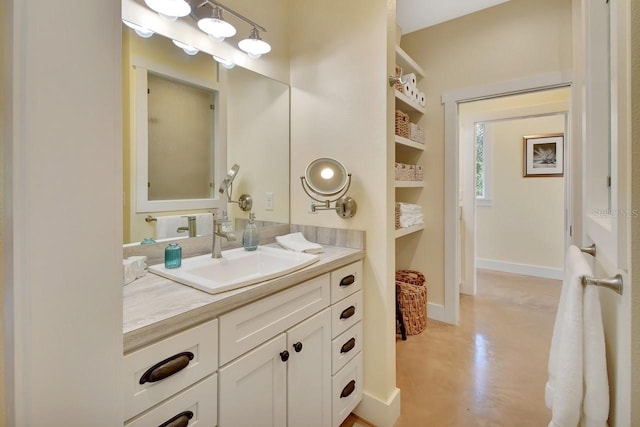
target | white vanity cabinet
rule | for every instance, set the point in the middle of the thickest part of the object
(278, 366)
(173, 381)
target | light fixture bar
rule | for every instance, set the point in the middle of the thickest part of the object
(213, 3)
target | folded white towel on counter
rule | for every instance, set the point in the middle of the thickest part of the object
(577, 391)
(297, 242)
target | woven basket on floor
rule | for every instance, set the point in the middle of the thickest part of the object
(413, 305)
(410, 276)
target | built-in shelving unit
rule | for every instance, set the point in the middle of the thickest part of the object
(409, 184)
(401, 232)
(406, 142)
(406, 148)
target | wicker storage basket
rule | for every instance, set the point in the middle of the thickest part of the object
(412, 300)
(416, 133)
(419, 173)
(397, 215)
(399, 86)
(405, 172)
(402, 124)
(412, 277)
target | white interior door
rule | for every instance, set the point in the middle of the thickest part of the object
(606, 212)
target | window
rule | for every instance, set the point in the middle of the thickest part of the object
(483, 165)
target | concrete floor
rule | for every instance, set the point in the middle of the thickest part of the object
(491, 369)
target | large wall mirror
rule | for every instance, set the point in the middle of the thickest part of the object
(187, 120)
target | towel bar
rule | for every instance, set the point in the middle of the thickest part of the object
(591, 250)
(614, 283)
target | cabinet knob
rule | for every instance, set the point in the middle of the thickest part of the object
(348, 280)
(297, 347)
(347, 313)
(284, 356)
(167, 367)
(180, 420)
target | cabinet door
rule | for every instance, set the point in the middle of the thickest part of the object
(253, 387)
(309, 372)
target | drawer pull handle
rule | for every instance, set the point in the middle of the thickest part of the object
(297, 347)
(348, 346)
(348, 280)
(167, 367)
(180, 420)
(284, 356)
(347, 313)
(348, 389)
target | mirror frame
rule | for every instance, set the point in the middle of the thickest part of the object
(140, 137)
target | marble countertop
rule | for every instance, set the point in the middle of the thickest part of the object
(155, 308)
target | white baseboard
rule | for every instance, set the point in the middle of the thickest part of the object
(435, 311)
(378, 412)
(525, 269)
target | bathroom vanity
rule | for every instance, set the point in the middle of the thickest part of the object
(284, 352)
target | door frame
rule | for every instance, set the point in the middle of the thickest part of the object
(451, 100)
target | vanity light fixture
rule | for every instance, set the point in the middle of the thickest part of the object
(224, 62)
(254, 46)
(187, 48)
(170, 9)
(216, 27)
(143, 32)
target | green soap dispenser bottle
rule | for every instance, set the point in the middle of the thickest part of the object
(250, 236)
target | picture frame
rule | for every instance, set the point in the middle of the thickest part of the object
(543, 155)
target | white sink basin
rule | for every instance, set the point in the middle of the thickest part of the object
(236, 268)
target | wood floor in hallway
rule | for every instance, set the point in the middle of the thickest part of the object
(490, 370)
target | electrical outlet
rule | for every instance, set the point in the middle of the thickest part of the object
(269, 201)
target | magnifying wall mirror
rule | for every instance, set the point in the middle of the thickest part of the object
(245, 202)
(326, 178)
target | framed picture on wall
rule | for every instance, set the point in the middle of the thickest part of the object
(543, 155)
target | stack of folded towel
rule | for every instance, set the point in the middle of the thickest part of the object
(297, 242)
(408, 215)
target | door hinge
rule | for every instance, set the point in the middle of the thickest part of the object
(609, 181)
(148, 91)
(571, 231)
(213, 107)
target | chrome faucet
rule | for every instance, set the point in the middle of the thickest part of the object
(191, 227)
(221, 228)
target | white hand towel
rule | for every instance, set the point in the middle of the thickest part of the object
(577, 389)
(167, 226)
(296, 242)
(204, 224)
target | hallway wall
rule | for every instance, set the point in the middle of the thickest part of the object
(524, 225)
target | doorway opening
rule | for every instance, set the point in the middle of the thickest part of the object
(514, 208)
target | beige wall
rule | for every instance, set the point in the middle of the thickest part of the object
(258, 135)
(6, 25)
(516, 39)
(525, 222)
(341, 108)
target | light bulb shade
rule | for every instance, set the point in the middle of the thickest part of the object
(187, 48)
(254, 46)
(217, 28)
(143, 32)
(170, 8)
(224, 62)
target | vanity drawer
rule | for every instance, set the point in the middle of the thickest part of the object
(346, 389)
(198, 404)
(251, 325)
(345, 281)
(346, 313)
(347, 345)
(191, 355)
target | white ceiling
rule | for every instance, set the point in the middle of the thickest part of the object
(413, 15)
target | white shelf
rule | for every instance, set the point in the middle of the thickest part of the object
(406, 142)
(401, 232)
(408, 65)
(408, 103)
(409, 184)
